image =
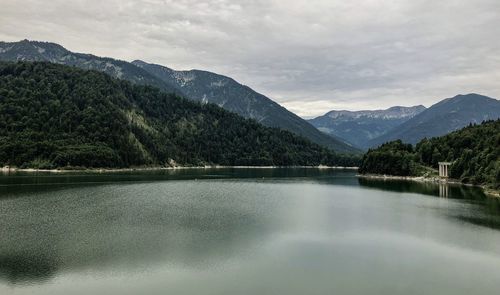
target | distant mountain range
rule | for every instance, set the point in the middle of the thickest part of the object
(442, 118)
(359, 127)
(202, 86)
(368, 129)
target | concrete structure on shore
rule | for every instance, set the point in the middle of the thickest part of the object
(444, 169)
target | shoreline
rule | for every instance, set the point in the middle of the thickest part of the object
(115, 170)
(423, 179)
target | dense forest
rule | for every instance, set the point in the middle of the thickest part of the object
(195, 85)
(474, 152)
(59, 116)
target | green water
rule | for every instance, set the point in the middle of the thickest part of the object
(244, 231)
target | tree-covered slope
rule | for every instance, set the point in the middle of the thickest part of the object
(474, 152)
(54, 116)
(203, 86)
(444, 117)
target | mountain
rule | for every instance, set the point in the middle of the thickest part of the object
(217, 89)
(56, 116)
(44, 51)
(472, 151)
(359, 127)
(444, 117)
(207, 87)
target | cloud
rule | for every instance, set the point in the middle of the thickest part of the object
(311, 56)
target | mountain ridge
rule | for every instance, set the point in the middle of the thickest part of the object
(205, 86)
(27, 50)
(359, 127)
(445, 116)
(392, 112)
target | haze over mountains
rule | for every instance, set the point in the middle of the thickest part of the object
(410, 124)
(444, 117)
(359, 127)
(202, 86)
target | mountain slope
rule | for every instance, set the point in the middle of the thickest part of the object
(44, 51)
(207, 87)
(233, 96)
(53, 116)
(444, 117)
(359, 127)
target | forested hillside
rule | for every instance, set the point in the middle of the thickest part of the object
(204, 86)
(200, 86)
(474, 152)
(58, 116)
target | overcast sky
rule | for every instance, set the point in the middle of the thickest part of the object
(309, 55)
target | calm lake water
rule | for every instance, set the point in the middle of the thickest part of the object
(240, 231)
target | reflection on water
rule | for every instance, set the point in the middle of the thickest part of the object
(12, 184)
(19, 269)
(482, 210)
(46, 178)
(444, 189)
(128, 225)
(426, 188)
(244, 231)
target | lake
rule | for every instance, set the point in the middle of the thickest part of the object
(244, 231)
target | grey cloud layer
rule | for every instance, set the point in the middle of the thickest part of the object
(311, 56)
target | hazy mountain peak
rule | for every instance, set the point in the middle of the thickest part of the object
(395, 112)
(444, 117)
(359, 127)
